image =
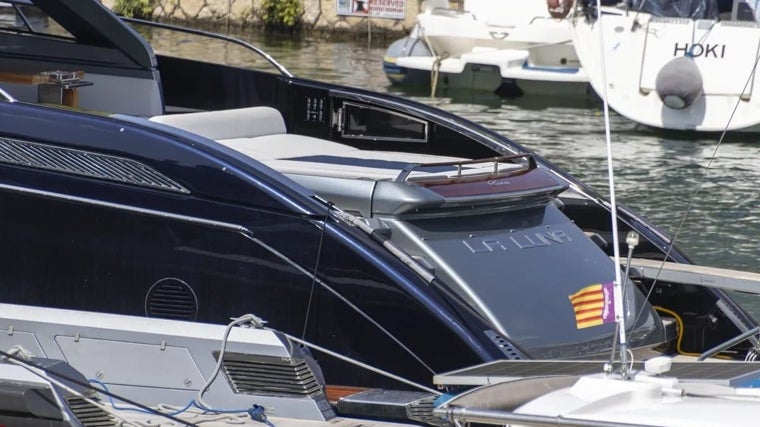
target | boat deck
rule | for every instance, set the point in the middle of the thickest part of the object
(260, 133)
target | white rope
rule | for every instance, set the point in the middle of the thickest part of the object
(246, 318)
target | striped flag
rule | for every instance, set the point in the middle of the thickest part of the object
(593, 305)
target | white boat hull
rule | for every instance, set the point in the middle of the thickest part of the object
(486, 48)
(637, 47)
(488, 70)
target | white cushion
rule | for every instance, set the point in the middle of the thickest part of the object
(228, 124)
(286, 146)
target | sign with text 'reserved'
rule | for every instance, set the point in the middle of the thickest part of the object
(392, 9)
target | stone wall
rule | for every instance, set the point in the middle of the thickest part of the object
(318, 15)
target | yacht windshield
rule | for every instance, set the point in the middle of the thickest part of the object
(26, 18)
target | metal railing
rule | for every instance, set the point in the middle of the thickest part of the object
(212, 35)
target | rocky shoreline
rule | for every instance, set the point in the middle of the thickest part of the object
(316, 16)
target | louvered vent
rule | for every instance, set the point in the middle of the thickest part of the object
(504, 345)
(171, 299)
(90, 415)
(268, 375)
(422, 412)
(84, 163)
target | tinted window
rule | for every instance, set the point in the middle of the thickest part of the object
(364, 122)
(29, 19)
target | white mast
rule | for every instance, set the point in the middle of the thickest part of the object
(618, 285)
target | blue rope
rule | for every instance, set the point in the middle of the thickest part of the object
(256, 412)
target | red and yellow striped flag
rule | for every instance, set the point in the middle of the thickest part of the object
(593, 305)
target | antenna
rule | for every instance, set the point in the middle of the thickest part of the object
(618, 285)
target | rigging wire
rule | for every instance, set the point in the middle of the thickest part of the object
(316, 268)
(337, 294)
(698, 187)
(363, 365)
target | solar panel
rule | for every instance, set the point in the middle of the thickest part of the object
(735, 374)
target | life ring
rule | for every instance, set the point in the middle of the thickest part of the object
(559, 9)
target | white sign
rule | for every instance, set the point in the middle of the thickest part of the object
(393, 9)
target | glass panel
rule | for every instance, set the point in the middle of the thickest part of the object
(364, 122)
(29, 19)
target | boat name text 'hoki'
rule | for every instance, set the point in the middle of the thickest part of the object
(696, 50)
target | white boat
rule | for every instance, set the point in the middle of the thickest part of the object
(649, 396)
(693, 72)
(511, 47)
(89, 369)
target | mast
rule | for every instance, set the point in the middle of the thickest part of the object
(618, 284)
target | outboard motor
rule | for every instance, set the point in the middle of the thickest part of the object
(679, 83)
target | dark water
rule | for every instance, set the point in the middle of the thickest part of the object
(659, 174)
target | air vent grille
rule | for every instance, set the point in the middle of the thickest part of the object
(90, 415)
(84, 163)
(171, 299)
(270, 375)
(504, 345)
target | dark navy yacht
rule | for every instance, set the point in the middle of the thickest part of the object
(380, 228)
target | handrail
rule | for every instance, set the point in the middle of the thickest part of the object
(730, 343)
(690, 274)
(284, 71)
(408, 169)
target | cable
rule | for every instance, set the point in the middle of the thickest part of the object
(255, 412)
(679, 323)
(246, 318)
(88, 386)
(316, 265)
(44, 374)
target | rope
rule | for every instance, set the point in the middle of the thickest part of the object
(434, 71)
(247, 318)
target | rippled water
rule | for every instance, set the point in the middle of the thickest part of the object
(657, 173)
